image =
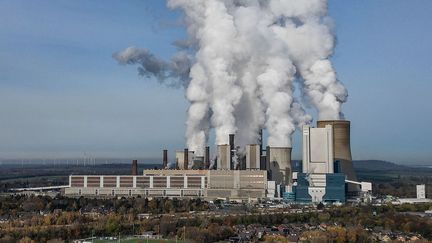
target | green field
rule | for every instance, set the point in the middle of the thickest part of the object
(138, 240)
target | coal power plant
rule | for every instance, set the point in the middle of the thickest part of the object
(239, 83)
(249, 173)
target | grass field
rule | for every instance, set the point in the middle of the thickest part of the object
(137, 240)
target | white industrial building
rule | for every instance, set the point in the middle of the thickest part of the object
(322, 178)
(318, 150)
(209, 184)
(421, 191)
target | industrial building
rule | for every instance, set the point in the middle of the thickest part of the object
(325, 173)
(318, 150)
(421, 196)
(208, 184)
(324, 178)
(327, 187)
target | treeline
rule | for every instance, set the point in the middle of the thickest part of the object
(404, 186)
(14, 205)
(399, 183)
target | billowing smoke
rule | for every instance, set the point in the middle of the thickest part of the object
(306, 30)
(174, 73)
(244, 58)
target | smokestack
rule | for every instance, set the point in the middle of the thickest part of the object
(165, 159)
(266, 163)
(342, 148)
(207, 158)
(186, 158)
(134, 167)
(231, 146)
(260, 141)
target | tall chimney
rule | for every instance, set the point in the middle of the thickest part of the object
(342, 148)
(186, 158)
(231, 146)
(261, 158)
(165, 159)
(267, 160)
(207, 158)
(260, 141)
(134, 167)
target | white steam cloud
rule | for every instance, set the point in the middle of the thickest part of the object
(243, 59)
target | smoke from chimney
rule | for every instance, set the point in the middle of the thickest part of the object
(244, 60)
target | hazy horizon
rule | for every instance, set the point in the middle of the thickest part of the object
(90, 161)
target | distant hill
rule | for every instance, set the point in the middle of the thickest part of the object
(378, 165)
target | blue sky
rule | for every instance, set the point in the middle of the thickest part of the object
(62, 94)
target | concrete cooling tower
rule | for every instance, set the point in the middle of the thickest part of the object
(181, 157)
(342, 148)
(224, 157)
(279, 164)
(253, 157)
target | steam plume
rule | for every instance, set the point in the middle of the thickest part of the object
(307, 33)
(174, 73)
(246, 56)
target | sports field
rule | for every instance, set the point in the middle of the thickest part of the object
(138, 240)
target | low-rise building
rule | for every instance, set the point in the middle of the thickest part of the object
(209, 184)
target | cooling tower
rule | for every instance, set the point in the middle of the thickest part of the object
(253, 157)
(165, 159)
(279, 164)
(342, 148)
(134, 167)
(198, 163)
(180, 159)
(223, 158)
